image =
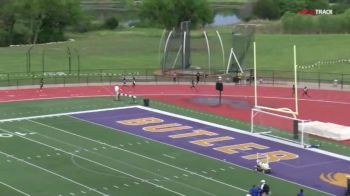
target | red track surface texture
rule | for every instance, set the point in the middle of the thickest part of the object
(323, 105)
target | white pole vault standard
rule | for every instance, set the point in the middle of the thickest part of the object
(166, 47)
(255, 79)
(232, 53)
(222, 50)
(208, 47)
(177, 57)
(229, 62)
(160, 45)
(296, 81)
(184, 50)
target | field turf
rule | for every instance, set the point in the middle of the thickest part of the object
(66, 156)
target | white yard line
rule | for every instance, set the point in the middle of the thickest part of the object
(97, 163)
(51, 172)
(9, 186)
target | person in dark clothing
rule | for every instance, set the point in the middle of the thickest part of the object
(41, 83)
(197, 77)
(133, 81)
(265, 189)
(124, 80)
(293, 90)
(254, 191)
(301, 193)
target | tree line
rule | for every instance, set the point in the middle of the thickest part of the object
(36, 21)
(41, 21)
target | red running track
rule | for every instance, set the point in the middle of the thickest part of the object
(323, 105)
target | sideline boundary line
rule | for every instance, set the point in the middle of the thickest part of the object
(182, 117)
(23, 193)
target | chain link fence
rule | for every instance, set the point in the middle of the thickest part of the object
(113, 76)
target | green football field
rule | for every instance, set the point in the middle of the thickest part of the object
(61, 155)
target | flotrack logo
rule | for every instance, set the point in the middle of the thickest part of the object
(316, 12)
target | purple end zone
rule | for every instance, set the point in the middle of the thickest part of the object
(305, 170)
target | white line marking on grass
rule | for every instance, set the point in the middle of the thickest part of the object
(125, 163)
(51, 172)
(134, 153)
(169, 156)
(95, 162)
(9, 186)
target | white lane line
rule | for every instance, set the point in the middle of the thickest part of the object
(51, 172)
(97, 163)
(9, 186)
(134, 153)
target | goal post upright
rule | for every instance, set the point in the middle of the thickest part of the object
(255, 79)
(296, 80)
(282, 110)
(286, 113)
